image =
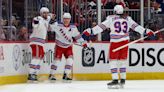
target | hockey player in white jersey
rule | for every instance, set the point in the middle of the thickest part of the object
(119, 25)
(65, 32)
(40, 26)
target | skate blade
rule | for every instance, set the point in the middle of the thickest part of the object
(30, 81)
(67, 81)
(113, 86)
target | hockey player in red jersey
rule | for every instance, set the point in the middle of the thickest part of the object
(65, 32)
(119, 25)
(40, 26)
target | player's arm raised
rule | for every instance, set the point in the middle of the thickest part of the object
(98, 28)
(53, 18)
(54, 25)
(35, 22)
(138, 28)
(77, 36)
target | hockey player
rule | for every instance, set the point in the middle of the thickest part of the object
(119, 25)
(40, 26)
(65, 33)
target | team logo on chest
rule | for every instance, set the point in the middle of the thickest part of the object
(64, 35)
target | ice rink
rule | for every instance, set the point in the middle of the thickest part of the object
(86, 86)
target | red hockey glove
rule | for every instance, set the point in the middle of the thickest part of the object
(87, 32)
(85, 45)
(149, 32)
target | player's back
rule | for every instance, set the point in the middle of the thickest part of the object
(119, 27)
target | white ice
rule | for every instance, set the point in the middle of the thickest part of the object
(86, 86)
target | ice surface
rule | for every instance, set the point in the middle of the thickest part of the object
(86, 86)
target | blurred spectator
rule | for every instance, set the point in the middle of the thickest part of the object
(65, 7)
(51, 36)
(12, 31)
(89, 21)
(8, 31)
(94, 24)
(160, 36)
(134, 4)
(70, 2)
(155, 24)
(81, 23)
(104, 2)
(105, 35)
(121, 2)
(110, 4)
(94, 37)
(23, 34)
(2, 33)
(158, 7)
(92, 4)
(14, 21)
(134, 35)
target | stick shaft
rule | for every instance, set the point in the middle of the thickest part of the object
(121, 47)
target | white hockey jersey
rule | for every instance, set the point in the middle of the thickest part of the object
(65, 35)
(119, 27)
(40, 28)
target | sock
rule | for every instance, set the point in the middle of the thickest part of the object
(34, 66)
(114, 70)
(68, 66)
(122, 67)
(54, 67)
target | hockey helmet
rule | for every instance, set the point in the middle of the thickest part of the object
(118, 9)
(44, 9)
(67, 15)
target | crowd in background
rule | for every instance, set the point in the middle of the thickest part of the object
(84, 15)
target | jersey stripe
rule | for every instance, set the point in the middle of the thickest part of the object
(61, 43)
(102, 26)
(134, 26)
(35, 39)
(114, 36)
(114, 70)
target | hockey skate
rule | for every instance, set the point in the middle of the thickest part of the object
(52, 78)
(66, 79)
(113, 85)
(32, 78)
(122, 83)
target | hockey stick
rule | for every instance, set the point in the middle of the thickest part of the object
(78, 44)
(121, 47)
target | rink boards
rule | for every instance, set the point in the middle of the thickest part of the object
(145, 61)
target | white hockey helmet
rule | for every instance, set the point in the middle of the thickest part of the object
(118, 9)
(67, 15)
(44, 9)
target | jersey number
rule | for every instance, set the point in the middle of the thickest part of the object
(121, 26)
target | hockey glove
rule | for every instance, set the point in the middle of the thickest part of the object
(149, 32)
(87, 32)
(85, 45)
